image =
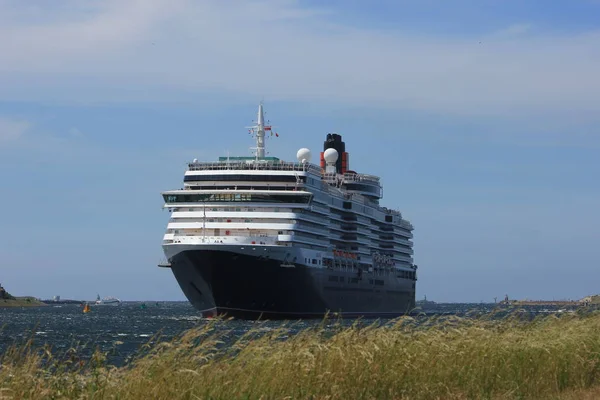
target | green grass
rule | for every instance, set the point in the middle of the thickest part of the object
(444, 358)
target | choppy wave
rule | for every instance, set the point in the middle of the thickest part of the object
(121, 331)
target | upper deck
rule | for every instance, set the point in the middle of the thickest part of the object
(252, 164)
(275, 164)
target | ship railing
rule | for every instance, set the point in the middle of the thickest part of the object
(259, 165)
(406, 224)
(333, 177)
(390, 211)
(288, 188)
(350, 177)
(291, 166)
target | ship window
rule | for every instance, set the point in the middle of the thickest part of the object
(347, 205)
(314, 261)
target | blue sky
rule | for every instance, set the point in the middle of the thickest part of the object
(481, 117)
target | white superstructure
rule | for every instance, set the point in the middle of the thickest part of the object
(295, 212)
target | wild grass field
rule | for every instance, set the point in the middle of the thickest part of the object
(550, 357)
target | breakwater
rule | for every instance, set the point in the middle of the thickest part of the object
(593, 300)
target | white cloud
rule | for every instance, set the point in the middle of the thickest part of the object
(174, 49)
(12, 129)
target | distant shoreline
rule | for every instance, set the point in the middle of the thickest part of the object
(24, 301)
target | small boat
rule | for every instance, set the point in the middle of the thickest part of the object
(107, 301)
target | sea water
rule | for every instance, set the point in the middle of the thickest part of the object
(121, 330)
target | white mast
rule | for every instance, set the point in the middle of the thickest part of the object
(260, 133)
(259, 130)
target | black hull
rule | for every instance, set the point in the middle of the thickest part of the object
(249, 287)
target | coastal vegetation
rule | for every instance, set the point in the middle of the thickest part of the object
(8, 300)
(4, 295)
(514, 357)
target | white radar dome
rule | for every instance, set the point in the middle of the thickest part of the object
(331, 155)
(303, 155)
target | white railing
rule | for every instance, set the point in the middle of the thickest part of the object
(364, 178)
(351, 177)
(300, 187)
(249, 165)
(270, 165)
(406, 224)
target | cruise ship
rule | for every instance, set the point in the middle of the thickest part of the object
(107, 301)
(262, 238)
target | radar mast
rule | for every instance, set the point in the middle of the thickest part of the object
(259, 130)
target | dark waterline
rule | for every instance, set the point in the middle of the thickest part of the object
(122, 330)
